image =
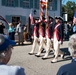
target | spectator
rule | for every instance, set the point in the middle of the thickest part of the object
(6, 46)
(70, 69)
(25, 33)
(11, 31)
(19, 30)
(74, 29)
(66, 30)
(2, 28)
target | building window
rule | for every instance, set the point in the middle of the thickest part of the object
(9, 2)
(25, 3)
(52, 5)
(31, 3)
(36, 4)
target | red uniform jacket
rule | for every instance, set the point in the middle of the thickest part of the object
(36, 30)
(42, 29)
(59, 31)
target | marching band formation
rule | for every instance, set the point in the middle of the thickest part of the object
(48, 34)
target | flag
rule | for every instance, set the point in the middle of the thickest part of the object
(1, 18)
(43, 5)
(31, 18)
(74, 19)
(43, 2)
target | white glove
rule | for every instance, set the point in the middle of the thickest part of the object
(59, 42)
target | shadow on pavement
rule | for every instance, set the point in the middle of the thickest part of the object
(66, 55)
(65, 50)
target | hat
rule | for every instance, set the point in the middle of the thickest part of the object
(58, 17)
(61, 18)
(5, 42)
(50, 17)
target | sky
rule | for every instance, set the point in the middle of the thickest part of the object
(65, 1)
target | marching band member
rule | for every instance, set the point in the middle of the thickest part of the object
(49, 33)
(58, 38)
(36, 37)
(41, 37)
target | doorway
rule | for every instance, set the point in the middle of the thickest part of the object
(15, 20)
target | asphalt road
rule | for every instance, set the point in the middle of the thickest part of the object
(35, 65)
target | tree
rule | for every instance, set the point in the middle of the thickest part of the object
(70, 8)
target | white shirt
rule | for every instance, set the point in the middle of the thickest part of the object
(19, 28)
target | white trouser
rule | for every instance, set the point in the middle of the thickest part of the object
(35, 42)
(56, 47)
(42, 44)
(48, 46)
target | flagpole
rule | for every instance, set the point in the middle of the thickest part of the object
(47, 9)
(41, 10)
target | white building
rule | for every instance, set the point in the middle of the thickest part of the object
(14, 10)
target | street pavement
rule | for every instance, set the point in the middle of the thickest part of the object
(35, 65)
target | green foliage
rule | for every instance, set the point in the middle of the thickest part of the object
(70, 8)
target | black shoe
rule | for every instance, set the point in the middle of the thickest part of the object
(53, 62)
(30, 53)
(37, 55)
(44, 58)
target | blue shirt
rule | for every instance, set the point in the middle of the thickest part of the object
(68, 69)
(11, 29)
(11, 70)
(74, 28)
